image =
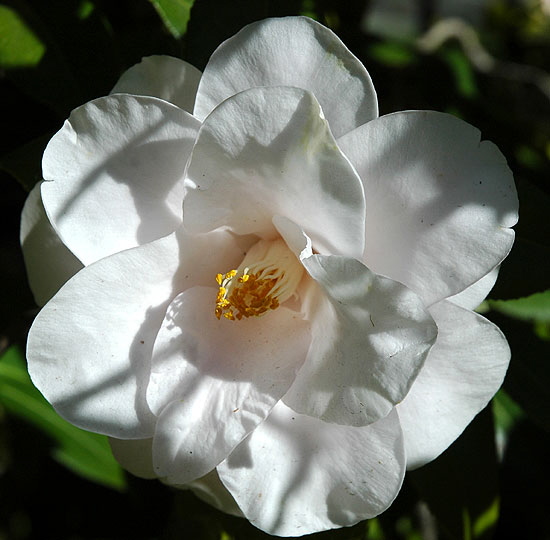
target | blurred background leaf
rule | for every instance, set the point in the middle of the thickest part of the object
(85, 453)
(461, 486)
(19, 46)
(175, 14)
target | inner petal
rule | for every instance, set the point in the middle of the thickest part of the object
(267, 277)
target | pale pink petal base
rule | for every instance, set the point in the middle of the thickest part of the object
(213, 381)
(89, 349)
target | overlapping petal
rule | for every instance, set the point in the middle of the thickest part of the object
(210, 489)
(48, 261)
(354, 377)
(269, 151)
(294, 51)
(89, 350)
(114, 174)
(439, 201)
(164, 77)
(135, 455)
(213, 381)
(296, 475)
(464, 369)
(472, 296)
(370, 336)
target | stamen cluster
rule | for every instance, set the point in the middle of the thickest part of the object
(250, 296)
(267, 277)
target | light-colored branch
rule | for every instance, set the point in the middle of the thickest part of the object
(481, 59)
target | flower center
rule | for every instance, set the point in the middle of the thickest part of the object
(268, 276)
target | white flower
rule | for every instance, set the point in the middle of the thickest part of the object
(348, 249)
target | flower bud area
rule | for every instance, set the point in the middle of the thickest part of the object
(267, 277)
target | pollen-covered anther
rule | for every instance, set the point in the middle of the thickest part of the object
(267, 277)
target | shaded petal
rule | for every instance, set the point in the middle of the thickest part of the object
(89, 349)
(370, 336)
(472, 296)
(293, 51)
(463, 371)
(48, 261)
(269, 151)
(213, 381)
(164, 77)
(296, 475)
(136, 456)
(439, 201)
(210, 489)
(115, 174)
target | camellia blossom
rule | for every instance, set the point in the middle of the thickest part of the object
(259, 289)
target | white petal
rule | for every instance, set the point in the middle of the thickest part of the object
(48, 261)
(269, 151)
(213, 381)
(297, 241)
(296, 475)
(370, 336)
(439, 201)
(463, 371)
(89, 349)
(136, 456)
(210, 489)
(472, 296)
(115, 174)
(164, 77)
(293, 51)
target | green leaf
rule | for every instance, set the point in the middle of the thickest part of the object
(81, 55)
(463, 72)
(460, 487)
(531, 308)
(87, 454)
(308, 9)
(528, 377)
(175, 14)
(19, 46)
(507, 414)
(392, 53)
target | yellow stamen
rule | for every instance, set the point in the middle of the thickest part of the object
(268, 276)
